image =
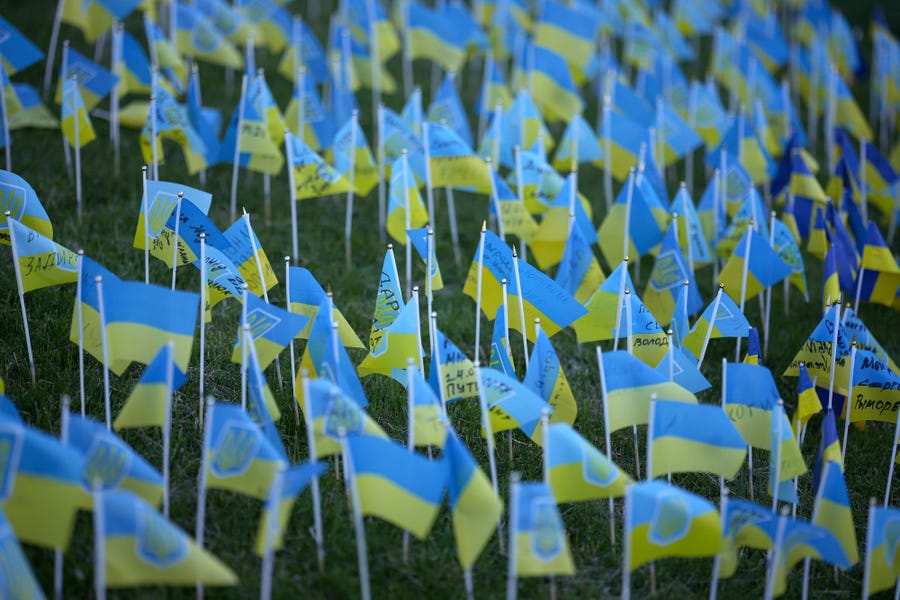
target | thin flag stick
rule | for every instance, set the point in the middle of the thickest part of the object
(834, 343)
(200, 526)
(203, 301)
(768, 303)
(15, 257)
(772, 566)
(776, 456)
(478, 285)
(454, 228)
(75, 121)
(348, 218)
(626, 554)
(410, 433)
(406, 218)
(606, 433)
(57, 552)
(154, 151)
(116, 64)
(717, 561)
(630, 345)
(712, 324)
(313, 456)
(722, 488)
(848, 408)
(51, 50)
(744, 273)
(428, 266)
(67, 151)
(175, 240)
(362, 554)
(292, 184)
(521, 301)
(80, 318)
(436, 359)
(428, 188)
(246, 340)
(495, 200)
(511, 558)
(380, 157)
(99, 536)
(167, 426)
(98, 282)
(268, 559)
(146, 209)
(287, 302)
(489, 436)
(262, 283)
(620, 303)
(236, 159)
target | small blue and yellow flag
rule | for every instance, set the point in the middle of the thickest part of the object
(432, 36)
(621, 138)
(720, 319)
(579, 272)
(197, 36)
(553, 85)
(146, 405)
(662, 520)
(453, 162)
(399, 486)
(405, 208)
(256, 149)
(111, 462)
(17, 52)
(447, 108)
(388, 299)
(511, 404)
(318, 128)
(494, 89)
(764, 267)
(785, 457)
(628, 384)
(353, 157)
(603, 307)
(261, 405)
(158, 205)
(238, 455)
(306, 295)
(419, 240)
(501, 353)
(750, 397)
(42, 262)
(882, 546)
(170, 120)
(667, 278)
(398, 343)
(515, 217)
(637, 213)
(685, 438)
(746, 524)
(538, 531)
(330, 408)
(277, 511)
(800, 540)
(578, 145)
(808, 403)
(41, 486)
(272, 328)
(246, 252)
(832, 510)
(93, 81)
(428, 429)
(75, 121)
(313, 177)
(578, 470)
(474, 505)
(546, 378)
(141, 547)
(876, 389)
(540, 298)
(16, 578)
(879, 272)
(817, 350)
(681, 368)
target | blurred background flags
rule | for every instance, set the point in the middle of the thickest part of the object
(578, 471)
(17, 52)
(399, 486)
(799, 540)
(434, 35)
(578, 145)
(318, 127)
(74, 109)
(882, 564)
(94, 82)
(17, 576)
(351, 150)
(447, 108)
(42, 262)
(474, 504)
(330, 408)
(196, 36)
(403, 197)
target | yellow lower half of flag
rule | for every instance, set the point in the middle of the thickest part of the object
(548, 326)
(491, 290)
(395, 349)
(732, 277)
(755, 424)
(703, 538)
(422, 44)
(874, 404)
(48, 269)
(145, 407)
(266, 351)
(253, 481)
(631, 406)
(883, 569)
(383, 498)
(224, 53)
(679, 455)
(345, 332)
(570, 482)
(650, 348)
(559, 103)
(42, 511)
(86, 132)
(475, 518)
(266, 522)
(517, 220)
(621, 160)
(600, 321)
(427, 427)
(839, 520)
(749, 536)
(530, 564)
(468, 171)
(125, 567)
(576, 50)
(661, 303)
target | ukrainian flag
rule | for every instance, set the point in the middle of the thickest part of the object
(330, 408)
(239, 457)
(832, 510)
(94, 82)
(42, 262)
(196, 36)
(511, 404)
(33, 112)
(546, 378)
(808, 403)
(168, 57)
(848, 115)
(17, 52)
(447, 108)
(495, 89)
(395, 484)
(112, 462)
(878, 270)
(570, 31)
(553, 85)
(750, 398)
(541, 298)
(474, 505)
(397, 136)
(876, 389)
(816, 351)
(159, 204)
(141, 547)
(135, 67)
(709, 117)
(678, 138)
(419, 240)
(496, 266)
(746, 524)
(41, 484)
(662, 520)
(318, 128)
(882, 545)
(18, 579)
(271, 328)
(261, 405)
(684, 370)
(73, 109)
(403, 197)
(784, 451)
(275, 516)
(805, 540)
(764, 266)
(313, 177)
(578, 145)
(578, 471)
(351, 150)
(539, 532)
(146, 405)
(629, 383)
(427, 427)
(687, 438)
(501, 355)
(624, 137)
(725, 319)
(431, 35)
(191, 218)
(306, 296)
(805, 191)
(579, 272)
(397, 343)
(645, 223)
(257, 151)
(600, 321)
(453, 162)
(649, 342)
(388, 299)
(249, 256)
(785, 245)
(667, 278)
(691, 235)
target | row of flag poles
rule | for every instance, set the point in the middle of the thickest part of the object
(756, 157)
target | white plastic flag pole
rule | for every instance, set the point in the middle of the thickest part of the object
(175, 242)
(620, 303)
(848, 409)
(272, 526)
(15, 257)
(717, 560)
(489, 436)
(834, 343)
(167, 426)
(116, 64)
(362, 554)
(521, 295)
(262, 283)
(236, 158)
(67, 151)
(709, 329)
(204, 291)
(406, 217)
(410, 433)
(512, 577)
(79, 317)
(104, 343)
(51, 50)
(495, 200)
(776, 554)
(744, 272)
(428, 279)
(626, 553)
(606, 433)
(629, 198)
(768, 302)
(428, 188)
(776, 456)
(292, 185)
(313, 456)
(348, 217)
(722, 488)
(99, 546)
(478, 286)
(75, 121)
(145, 206)
(436, 359)
(200, 526)
(246, 340)
(57, 552)
(287, 302)
(154, 150)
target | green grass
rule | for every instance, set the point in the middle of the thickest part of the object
(105, 233)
